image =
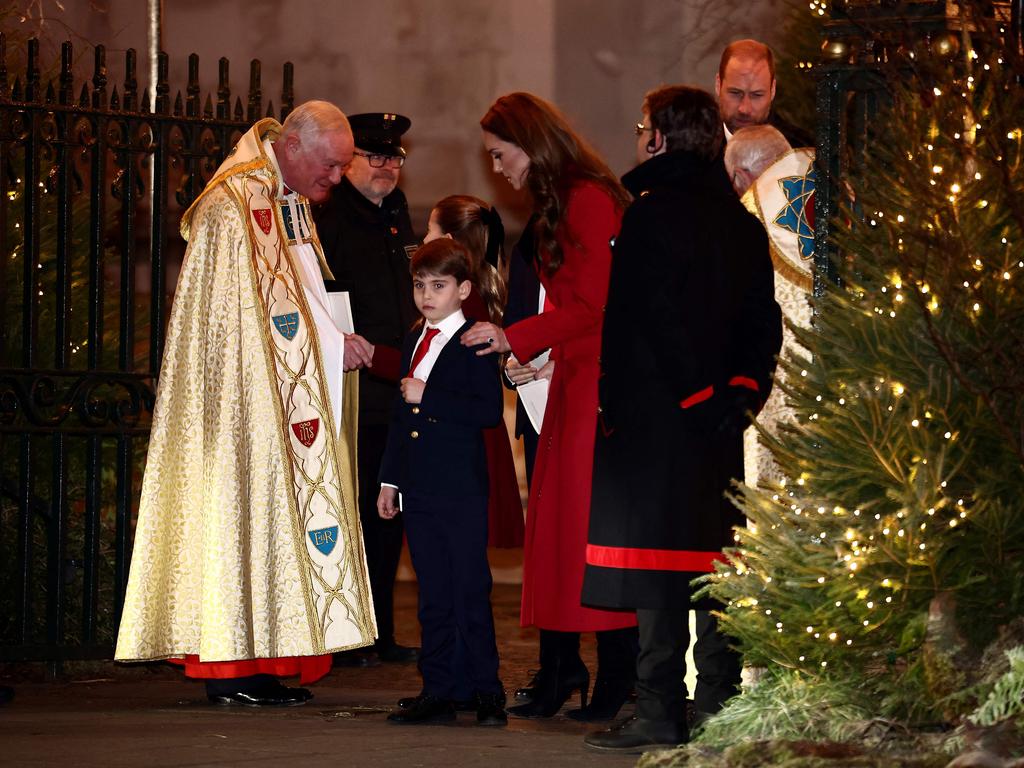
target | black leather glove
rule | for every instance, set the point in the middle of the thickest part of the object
(741, 404)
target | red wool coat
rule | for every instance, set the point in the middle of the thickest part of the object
(559, 508)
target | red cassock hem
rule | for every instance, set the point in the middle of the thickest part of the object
(308, 669)
(652, 559)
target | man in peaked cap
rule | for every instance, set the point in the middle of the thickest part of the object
(368, 241)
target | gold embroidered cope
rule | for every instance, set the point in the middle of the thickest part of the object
(248, 542)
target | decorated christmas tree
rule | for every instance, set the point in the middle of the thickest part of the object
(883, 580)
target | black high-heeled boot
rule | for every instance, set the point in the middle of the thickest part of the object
(554, 687)
(616, 675)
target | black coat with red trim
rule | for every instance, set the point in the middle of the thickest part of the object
(691, 333)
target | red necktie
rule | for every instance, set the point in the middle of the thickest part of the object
(422, 347)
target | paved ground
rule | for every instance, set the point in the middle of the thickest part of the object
(151, 716)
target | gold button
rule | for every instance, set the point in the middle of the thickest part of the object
(414, 434)
(415, 409)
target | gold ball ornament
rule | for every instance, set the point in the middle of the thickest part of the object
(835, 50)
(945, 45)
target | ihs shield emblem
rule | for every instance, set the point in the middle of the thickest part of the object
(263, 219)
(306, 431)
(287, 325)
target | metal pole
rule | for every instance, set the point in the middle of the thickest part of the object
(154, 36)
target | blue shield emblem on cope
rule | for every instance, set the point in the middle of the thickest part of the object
(324, 539)
(287, 325)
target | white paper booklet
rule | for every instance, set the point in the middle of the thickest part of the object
(341, 311)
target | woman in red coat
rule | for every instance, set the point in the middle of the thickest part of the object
(578, 205)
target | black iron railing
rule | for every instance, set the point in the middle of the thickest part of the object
(93, 183)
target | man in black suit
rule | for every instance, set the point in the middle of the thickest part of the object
(368, 239)
(745, 85)
(690, 334)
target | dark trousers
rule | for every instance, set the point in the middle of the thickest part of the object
(661, 665)
(448, 546)
(382, 538)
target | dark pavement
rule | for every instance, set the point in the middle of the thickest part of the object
(150, 715)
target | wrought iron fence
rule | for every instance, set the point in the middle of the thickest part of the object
(93, 183)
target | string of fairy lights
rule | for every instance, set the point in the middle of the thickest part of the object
(868, 559)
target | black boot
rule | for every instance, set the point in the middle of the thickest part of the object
(616, 675)
(637, 735)
(552, 646)
(555, 685)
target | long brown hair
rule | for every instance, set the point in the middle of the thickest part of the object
(559, 159)
(477, 225)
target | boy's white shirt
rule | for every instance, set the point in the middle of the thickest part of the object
(447, 328)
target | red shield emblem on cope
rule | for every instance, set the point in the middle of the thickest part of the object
(263, 221)
(306, 431)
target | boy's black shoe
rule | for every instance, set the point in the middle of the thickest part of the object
(490, 709)
(637, 735)
(461, 705)
(427, 709)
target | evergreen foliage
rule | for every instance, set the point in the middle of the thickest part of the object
(895, 549)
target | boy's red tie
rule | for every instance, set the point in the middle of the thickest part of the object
(422, 347)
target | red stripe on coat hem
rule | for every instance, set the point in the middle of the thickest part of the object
(744, 381)
(652, 559)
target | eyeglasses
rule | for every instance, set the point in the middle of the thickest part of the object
(379, 161)
(639, 128)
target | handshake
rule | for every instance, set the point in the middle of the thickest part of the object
(358, 352)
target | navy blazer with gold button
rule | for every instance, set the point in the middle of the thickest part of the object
(435, 448)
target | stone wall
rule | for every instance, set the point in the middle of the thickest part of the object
(442, 62)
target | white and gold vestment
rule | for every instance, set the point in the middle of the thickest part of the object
(248, 543)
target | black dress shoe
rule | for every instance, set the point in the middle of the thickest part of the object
(6, 695)
(637, 735)
(397, 654)
(360, 657)
(490, 709)
(275, 697)
(426, 709)
(461, 705)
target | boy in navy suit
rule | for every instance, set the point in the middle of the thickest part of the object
(434, 471)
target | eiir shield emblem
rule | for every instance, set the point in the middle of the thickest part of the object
(324, 539)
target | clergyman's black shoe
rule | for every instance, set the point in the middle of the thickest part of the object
(490, 709)
(397, 654)
(428, 709)
(637, 735)
(272, 697)
(359, 657)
